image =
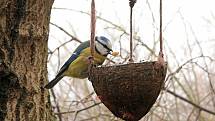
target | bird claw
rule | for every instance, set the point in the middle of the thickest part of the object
(90, 59)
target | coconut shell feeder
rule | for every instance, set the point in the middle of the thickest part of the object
(128, 90)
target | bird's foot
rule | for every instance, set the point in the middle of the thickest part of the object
(90, 59)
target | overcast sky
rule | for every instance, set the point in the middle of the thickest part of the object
(181, 18)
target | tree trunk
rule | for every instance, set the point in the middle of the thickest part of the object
(24, 28)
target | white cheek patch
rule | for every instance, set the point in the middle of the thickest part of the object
(101, 49)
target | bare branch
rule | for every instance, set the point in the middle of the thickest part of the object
(62, 29)
(78, 111)
(193, 104)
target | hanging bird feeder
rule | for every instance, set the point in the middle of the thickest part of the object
(128, 90)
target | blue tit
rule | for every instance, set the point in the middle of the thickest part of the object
(77, 65)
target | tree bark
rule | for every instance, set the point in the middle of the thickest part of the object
(24, 28)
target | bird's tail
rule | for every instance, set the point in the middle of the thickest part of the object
(54, 82)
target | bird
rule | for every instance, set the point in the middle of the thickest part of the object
(77, 65)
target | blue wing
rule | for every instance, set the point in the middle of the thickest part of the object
(75, 54)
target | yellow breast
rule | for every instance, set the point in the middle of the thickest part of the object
(79, 67)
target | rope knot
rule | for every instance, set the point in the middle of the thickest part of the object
(132, 2)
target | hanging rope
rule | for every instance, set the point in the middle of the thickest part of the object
(161, 61)
(161, 36)
(93, 27)
(92, 36)
(131, 4)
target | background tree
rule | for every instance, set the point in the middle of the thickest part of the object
(24, 28)
(188, 48)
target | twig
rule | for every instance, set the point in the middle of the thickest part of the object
(57, 105)
(113, 24)
(62, 29)
(58, 55)
(99, 115)
(181, 66)
(78, 111)
(98, 17)
(188, 101)
(53, 51)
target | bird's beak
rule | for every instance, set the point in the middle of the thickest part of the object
(114, 53)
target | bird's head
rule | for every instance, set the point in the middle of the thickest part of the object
(103, 45)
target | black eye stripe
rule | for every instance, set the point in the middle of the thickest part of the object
(105, 46)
